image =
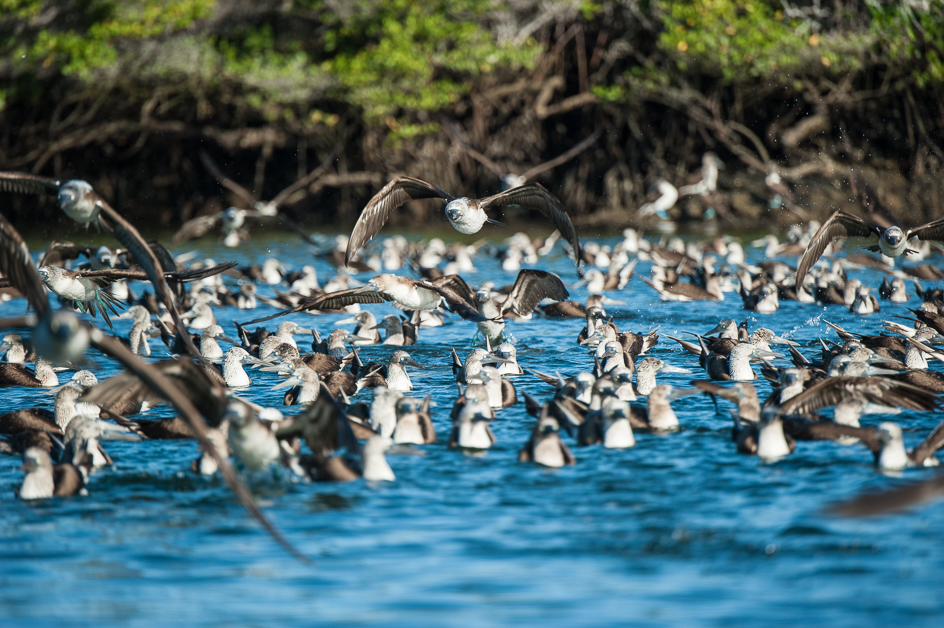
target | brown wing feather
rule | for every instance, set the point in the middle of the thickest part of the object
(932, 443)
(934, 230)
(455, 302)
(328, 301)
(534, 196)
(25, 183)
(839, 225)
(17, 265)
(531, 287)
(60, 251)
(833, 390)
(195, 228)
(457, 284)
(125, 233)
(225, 181)
(870, 504)
(161, 384)
(377, 211)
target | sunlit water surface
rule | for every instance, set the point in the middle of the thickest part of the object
(680, 529)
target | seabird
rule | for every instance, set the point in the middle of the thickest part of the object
(545, 446)
(43, 480)
(467, 215)
(414, 426)
(409, 294)
(82, 204)
(892, 241)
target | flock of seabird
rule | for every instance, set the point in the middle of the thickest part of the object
(335, 436)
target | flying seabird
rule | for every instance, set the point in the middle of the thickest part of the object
(44, 480)
(409, 294)
(467, 215)
(232, 219)
(82, 204)
(892, 241)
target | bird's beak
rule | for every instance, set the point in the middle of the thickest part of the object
(673, 369)
(783, 341)
(682, 392)
(351, 320)
(765, 355)
(291, 381)
(4, 347)
(353, 338)
(229, 340)
(412, 362)
(717, 328)
(494, 359)
(301, 330)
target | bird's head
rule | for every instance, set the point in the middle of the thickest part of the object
(894, 235)
(73, 192)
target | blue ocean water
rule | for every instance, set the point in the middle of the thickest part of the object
(679, 530)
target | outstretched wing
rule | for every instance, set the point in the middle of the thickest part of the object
(125, 233)
(870, 504)
(17, 265)
(535, 196)
(60, 251)
(531, 287)
(194, 228)
(377, 211)
(932, 231)
(25, 183)
(839, 225)
(455, 302)
(225, 181)
(329, 301)
(457, 284)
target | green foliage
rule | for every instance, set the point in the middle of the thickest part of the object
(743, 40)
(912, 38)
(107, 25)
(420, 55)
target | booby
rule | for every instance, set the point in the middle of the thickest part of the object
(397, 377)
(88, 294)
(408, 294)
(305, 386)
(82, 204)
(471, 429)
(15, 351)
(366, 328)
(20, 375)
(43, 480)
(545, 446)
(232, 219)
(892, 241)
(466, 215)
(414, 426)
(209, 347)
(647, 370)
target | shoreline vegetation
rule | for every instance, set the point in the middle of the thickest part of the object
(127, 94)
